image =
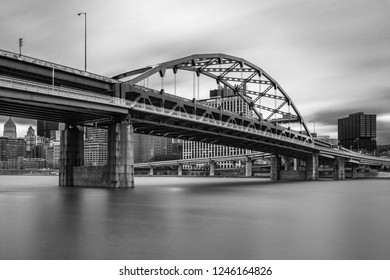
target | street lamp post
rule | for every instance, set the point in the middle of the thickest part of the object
(20, 46)
(85, 26)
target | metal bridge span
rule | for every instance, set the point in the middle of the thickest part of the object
(36, 89)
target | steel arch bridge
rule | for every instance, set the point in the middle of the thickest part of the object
(265, 98)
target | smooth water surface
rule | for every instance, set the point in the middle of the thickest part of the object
(195, 218)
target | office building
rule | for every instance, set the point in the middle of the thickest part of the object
(225, 99)
(46, 128)
(95, 153)
(31, 142)
(95, 146)
(12, 148)
(9, 129)
(358, 132)
(149, 148)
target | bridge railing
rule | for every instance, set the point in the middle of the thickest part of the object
(60, 91)
(93, 97)
(186, 116)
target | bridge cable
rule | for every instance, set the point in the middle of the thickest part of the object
(174, 91)
(275, 117)
(53, 79)
(193, 84)
(260, 96)
(198, 77)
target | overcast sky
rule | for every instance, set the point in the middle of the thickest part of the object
(331, 57)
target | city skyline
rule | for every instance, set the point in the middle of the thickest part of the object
(331, 58)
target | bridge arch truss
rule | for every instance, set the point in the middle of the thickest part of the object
(266, 99)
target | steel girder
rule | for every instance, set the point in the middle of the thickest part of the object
(169, 116)
(270, 103)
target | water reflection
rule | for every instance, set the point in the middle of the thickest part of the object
(195, 218)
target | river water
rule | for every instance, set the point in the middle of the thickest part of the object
(195, 218)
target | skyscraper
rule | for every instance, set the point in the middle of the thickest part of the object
(44, 128)
(31, 142)
(10, 129)
(358, 132)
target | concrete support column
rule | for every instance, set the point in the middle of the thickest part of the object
(339, 169)
(312, 173)
(276, 163)
(287, 165)
(248, 167)
(354, 173)
(212, 168)
(71, 154)
(297, 164)
(180, 169)
(120, 155)
(151, 171)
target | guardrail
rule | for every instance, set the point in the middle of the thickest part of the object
(114, 101)
(59, 91)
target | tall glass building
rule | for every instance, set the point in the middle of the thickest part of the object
(358, 132)
(47, 129)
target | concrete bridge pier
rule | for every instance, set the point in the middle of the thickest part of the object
(290, 172)
(354, 172)
(297, 164)
(212, 168)
(180, 169)
(312, 164)
(249, 167)
(339, 169)
(287, 163)
(120, 155)
(276, 164)
(71, 154)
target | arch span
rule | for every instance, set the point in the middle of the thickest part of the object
(265, 98)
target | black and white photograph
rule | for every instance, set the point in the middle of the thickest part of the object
(231, 137)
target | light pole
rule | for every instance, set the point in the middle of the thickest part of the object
(85, 25)
(20, 46)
